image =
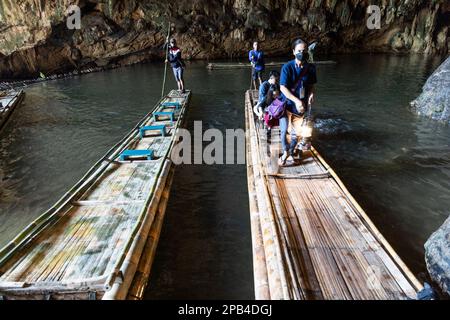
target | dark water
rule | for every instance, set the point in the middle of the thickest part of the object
(395, 164)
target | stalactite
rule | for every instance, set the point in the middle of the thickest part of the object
(407, 26)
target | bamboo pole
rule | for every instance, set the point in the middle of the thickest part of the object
(271, 219)
(262, 291)
(142, 216)
(88, 179)
(291, 268)
(328, 240)
(299, 176)
(61, 252)
(334, 221)
(142, 275)
(310, 284)
(274, 272)
(118, 290)
(293, 272)
(61, 266)
(413, 280)
(223, 66)
(165, 62)
(329, 225)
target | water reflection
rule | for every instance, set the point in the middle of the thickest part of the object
(394, 163)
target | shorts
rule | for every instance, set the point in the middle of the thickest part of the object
(178, 73)
(257, 74)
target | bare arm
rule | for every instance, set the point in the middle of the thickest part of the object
(288, 94)
(312, 91)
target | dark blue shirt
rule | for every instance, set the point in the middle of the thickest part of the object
(263, 91)
(257, 57)
(290, 78)
(175, 57)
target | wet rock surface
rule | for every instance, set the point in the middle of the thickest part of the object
(437, 256)
(434, 102)
(34, 37)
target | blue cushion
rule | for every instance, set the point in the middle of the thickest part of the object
(161, 128)
(177, 105)
(126, 154)
(169, 113)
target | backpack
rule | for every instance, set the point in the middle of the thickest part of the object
(277, 109)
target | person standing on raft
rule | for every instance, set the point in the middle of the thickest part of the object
(177, 63)
(297, 86)
(256, 58)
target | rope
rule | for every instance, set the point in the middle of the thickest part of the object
(165, 66)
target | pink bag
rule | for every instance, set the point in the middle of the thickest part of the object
(270, 121)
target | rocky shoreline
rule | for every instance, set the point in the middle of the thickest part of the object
(437, 257)
(14, 84)
(434, 102)
(34, 37)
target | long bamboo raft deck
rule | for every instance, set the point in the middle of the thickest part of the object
(311, 239)
(9, 100)
(240, 65)
(99, 240)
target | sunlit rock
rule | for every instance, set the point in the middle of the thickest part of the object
(437, 256)
(434, 102)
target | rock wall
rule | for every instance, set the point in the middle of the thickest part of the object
(437, 256)
(434, 102)
(34, 37)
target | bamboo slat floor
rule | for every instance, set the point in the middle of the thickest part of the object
(240, 65)
(9, 100)
(91, 244)
(311, 240)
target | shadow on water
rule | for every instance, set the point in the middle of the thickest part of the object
(395, 164)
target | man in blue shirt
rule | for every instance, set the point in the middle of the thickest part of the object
(297, 86)
(256, 58)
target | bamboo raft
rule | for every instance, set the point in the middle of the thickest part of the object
(99, 240)
(9, 100)
(240, 65)
(311, 239)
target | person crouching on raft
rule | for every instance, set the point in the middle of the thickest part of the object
(266, 86)
(297, 86)
(177, 64)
